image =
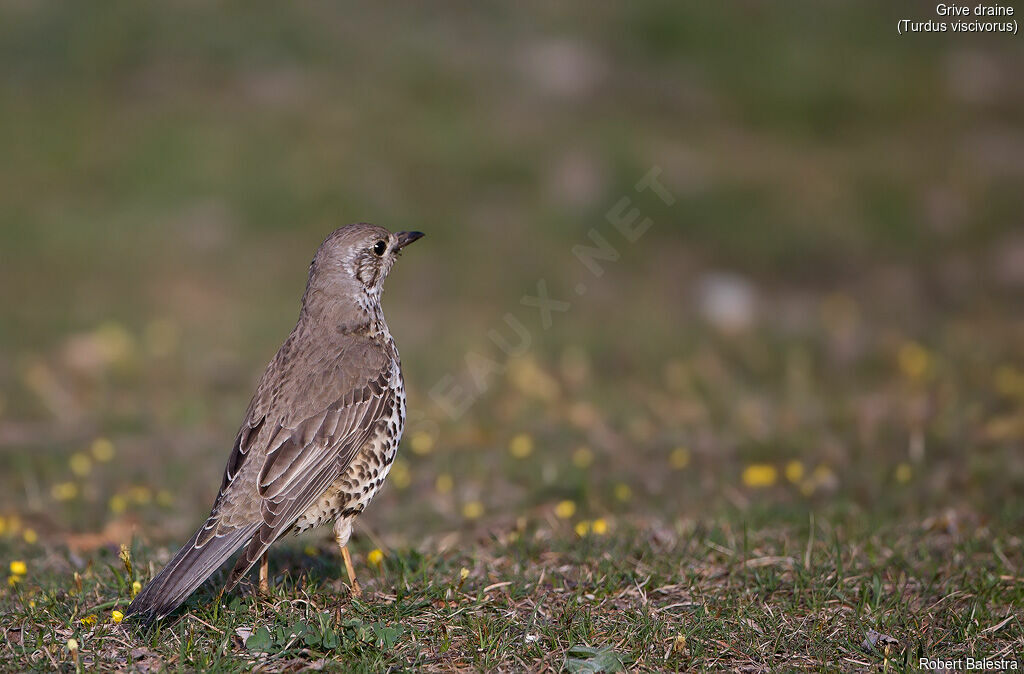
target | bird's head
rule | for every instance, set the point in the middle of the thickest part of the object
(354, 261)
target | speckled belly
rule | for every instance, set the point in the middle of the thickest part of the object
(357, 486)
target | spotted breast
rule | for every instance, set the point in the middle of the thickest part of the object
(349, 495)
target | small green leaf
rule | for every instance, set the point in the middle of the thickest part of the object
(312, 638)
(260, 641)
(587, 660)
(298, 630)
(387, 636)
(365, 632)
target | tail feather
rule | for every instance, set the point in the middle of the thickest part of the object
(187, 570)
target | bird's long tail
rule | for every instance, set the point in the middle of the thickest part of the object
(186, 571)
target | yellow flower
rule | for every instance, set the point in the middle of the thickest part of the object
(623, 492)
(64, 491)
(422, 443)
(903, 473)
(679, 458)
(118, 504)
(80, 463)
(13, 580)
(821, 476)
(114, 341)
(19, 568)
(136, 588)
(72, 644)
(444, 483)
(760, 475)
(102, 450)
(375, 557)
(30, 536)
(463, 573)
(794, 471)
(472, 510)
(600, 526)
(400, 475)
(582, 457)
(914, 360)
(565, 509)
(582, 528)
(89, 620)
(521, 446)
(116, 617)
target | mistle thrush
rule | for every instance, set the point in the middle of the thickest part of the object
(321, 431)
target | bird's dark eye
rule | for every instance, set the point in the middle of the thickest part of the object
(380, 247)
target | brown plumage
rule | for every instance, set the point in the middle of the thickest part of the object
(321, 431)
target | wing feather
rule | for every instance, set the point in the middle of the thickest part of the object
(305, 462)
(301, 431)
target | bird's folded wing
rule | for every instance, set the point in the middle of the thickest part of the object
(303, 463)
(303, 458)
(297, 418)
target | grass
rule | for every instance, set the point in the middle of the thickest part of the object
(696, 595)
(790, 414)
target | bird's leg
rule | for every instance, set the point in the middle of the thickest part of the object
(342, 532)
(265, 574)
(356, 590)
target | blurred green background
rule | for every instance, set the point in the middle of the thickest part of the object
(828, 315)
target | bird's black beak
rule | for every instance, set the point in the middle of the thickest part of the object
(405, 238)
